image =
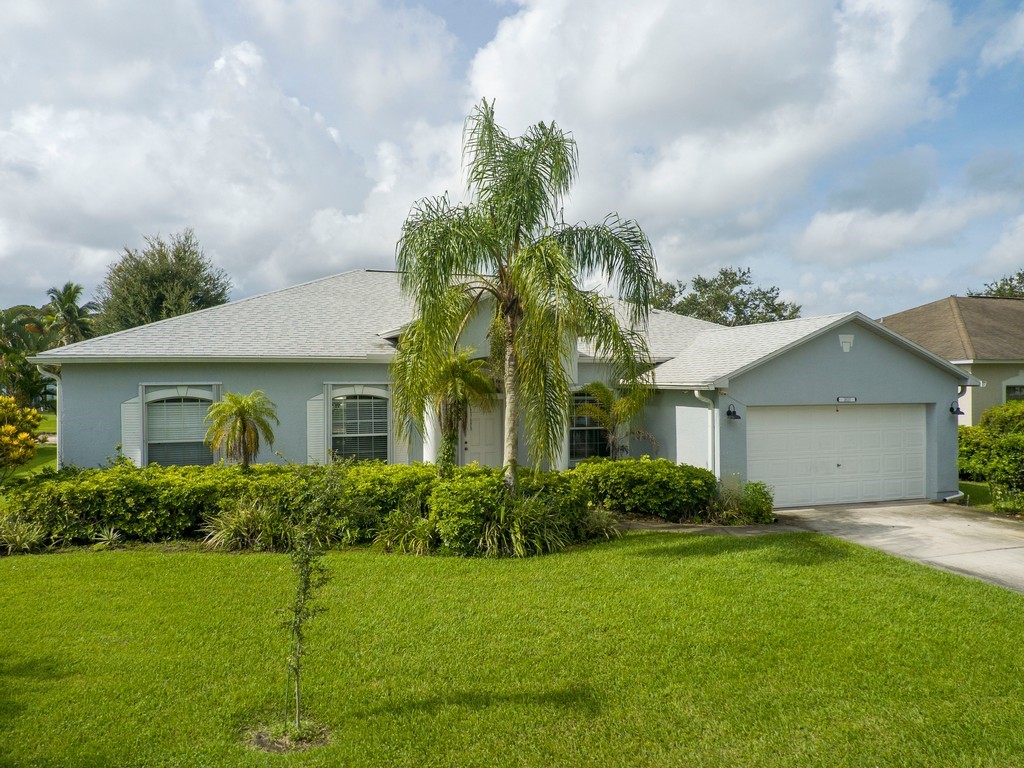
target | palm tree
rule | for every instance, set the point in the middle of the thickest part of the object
(508, 253)
(612, 412)
(238, 422)
(456, 384)
(65, 318)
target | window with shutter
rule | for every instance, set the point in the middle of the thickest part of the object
(359, 427)
(176, 430)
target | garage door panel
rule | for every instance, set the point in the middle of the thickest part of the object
(832, 455)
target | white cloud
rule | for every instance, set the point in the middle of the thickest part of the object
(844, 237)
(1007, 45)
(1007, 255)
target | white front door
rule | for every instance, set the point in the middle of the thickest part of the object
(837, 454)
(482, 442)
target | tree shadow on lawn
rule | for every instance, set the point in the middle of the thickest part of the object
(578, 698)
(41, 669)
(782, 548)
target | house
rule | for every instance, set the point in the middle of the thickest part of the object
(984, 335)
(825, 409)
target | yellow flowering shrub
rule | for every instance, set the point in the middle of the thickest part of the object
(18, 438)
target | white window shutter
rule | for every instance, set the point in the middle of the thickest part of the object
(399, 449)
(316, 438)
(131, 430)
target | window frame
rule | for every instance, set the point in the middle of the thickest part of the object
(335, 392)
(578, 398)
(150, 393)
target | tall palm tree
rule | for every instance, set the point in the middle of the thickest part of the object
(613, 412)
(238, 422)
(508, 252)
(456, 384)
(65, 318)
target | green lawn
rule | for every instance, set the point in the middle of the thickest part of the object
(46, 456)
(977, 495)
(659, 650)
(48, 422)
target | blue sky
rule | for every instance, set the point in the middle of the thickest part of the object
(866, 154)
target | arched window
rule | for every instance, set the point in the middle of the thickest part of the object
(359, 426)
(176, 425)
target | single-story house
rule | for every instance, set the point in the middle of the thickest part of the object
(984, 335)
(825, 409)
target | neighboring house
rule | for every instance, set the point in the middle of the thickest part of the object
(984, 335)
(825, 409)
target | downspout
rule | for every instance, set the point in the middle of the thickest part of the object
(712, 432)
(957, 495)
(54, 373)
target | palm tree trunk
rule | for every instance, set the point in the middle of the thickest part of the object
(511, 456)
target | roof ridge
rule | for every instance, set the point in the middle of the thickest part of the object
(961, 327)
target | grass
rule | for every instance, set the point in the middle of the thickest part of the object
(46, 456)
(659, 649)
(48, 422)
(977, 495)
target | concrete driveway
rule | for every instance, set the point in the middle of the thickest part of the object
(946, 536)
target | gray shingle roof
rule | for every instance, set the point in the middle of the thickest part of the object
(349, 316)
(719, 352)
(337, 317)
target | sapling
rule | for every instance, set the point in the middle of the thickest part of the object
(310, 577)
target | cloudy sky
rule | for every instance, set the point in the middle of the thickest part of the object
(863, 154)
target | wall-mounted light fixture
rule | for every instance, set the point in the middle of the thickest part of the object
(954, 408)
(730, 413)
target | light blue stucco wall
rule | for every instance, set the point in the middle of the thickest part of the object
(91, 397)
(875, 371)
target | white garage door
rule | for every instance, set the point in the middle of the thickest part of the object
(836, 455)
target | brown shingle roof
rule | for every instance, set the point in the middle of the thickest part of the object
(965, 327)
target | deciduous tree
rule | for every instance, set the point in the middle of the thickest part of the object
(164, 279)
(728, 298)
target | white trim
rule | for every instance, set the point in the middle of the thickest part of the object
(335, 391)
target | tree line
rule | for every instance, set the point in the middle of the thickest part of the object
(164, 279)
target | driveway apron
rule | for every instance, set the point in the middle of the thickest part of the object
(945, 536)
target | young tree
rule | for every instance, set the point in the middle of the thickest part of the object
(238, 422)
(18, 437)
(64, 318)
(164, 279)
(508, 253)
(728, 298)
(613, 412)
(1006, 287)
(310, 577)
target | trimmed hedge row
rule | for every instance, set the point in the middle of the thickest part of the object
(404, 507)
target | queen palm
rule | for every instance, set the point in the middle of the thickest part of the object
(238, 422)
(456, 383)
(507, 252)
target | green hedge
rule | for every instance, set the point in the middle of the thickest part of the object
(403, 507)
(674, 492)
(975, 452)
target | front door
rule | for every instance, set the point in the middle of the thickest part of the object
(482, 442)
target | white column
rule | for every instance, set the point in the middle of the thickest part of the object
(432, 437)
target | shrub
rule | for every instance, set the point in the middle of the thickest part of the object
(409, 531)
(739, 503)
(19, 535)
(1004, 419)
(461, 506)
(975, 452)
(656, 487)
(1006, 472)
(18, 438)
(248, 525)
